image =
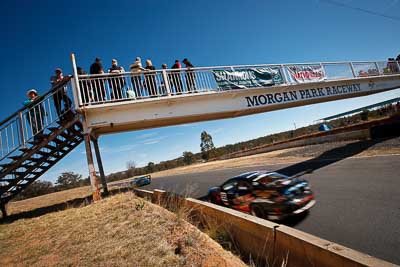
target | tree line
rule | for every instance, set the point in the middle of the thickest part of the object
(66, 180)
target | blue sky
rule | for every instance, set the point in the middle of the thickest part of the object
(38, 36)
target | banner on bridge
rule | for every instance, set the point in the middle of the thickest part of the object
(306, 73)
(247, 77)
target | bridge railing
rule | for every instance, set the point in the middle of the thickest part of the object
(32, 120)
(127, 86)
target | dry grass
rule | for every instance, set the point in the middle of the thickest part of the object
(118, 231)
(48, 200)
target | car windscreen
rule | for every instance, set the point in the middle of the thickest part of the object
(268, 178)
(229, 185)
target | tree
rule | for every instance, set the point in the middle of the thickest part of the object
(188, 157)
(150, 167)
(131, 167)
(69, 180)
(206, 145)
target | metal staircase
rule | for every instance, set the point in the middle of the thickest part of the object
(28, 152)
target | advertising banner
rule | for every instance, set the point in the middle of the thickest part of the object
(247, 77)
(306, 73)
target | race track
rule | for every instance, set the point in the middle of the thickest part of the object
(357, 198)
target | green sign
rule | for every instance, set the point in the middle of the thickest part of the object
(247, 77)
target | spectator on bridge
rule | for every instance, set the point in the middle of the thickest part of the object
(86, 94)
(35, 115)
(60, 94)
(392, 66)
(165, 80)
(116, 82)
(175, 77)
(189, 76)
(150, 79)
(99, 92)
(136, 70)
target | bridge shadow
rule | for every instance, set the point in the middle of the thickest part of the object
(331, 156)
(323, 160)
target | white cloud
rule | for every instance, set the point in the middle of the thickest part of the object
(118, 149)
(151, 142)
(147, 135)
(155, 140)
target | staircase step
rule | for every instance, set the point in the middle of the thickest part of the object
(58, 141)
(34, 142)
(15, 157)
(45, 136)
(53, 129)
(24, 149)
(24, 173)
(38, 160)
(6, 165)
(67, 135)
(43, 153)
(51, 147)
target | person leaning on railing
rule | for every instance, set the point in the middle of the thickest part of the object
(116, 82)
(175, 77)
(165, 80)
(190, 76)
(60, 95)
(136, 70)
(150, 78)
(99, 92)
(392, 66)
(35, 115)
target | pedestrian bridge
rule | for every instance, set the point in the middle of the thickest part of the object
(125, 102)
(36, 137)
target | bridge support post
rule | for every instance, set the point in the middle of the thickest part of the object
(92, 171)
(100, 165)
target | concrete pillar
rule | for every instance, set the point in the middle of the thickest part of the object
(100, 165)
(92, 171)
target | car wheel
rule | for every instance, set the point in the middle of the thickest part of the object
(257, 210)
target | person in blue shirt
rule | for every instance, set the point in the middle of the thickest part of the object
(35, 115)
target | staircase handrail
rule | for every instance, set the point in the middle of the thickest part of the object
(17, 129)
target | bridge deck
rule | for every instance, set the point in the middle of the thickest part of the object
(124, 102)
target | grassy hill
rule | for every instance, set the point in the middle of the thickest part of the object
(122, 230)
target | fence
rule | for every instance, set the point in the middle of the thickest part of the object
(33, 120)
(108, 88)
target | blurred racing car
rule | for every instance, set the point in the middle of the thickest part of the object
(141, 181)
(265, 194)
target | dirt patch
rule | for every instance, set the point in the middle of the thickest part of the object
(122, 230)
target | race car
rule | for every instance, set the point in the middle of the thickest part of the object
(141, 181)
(265, 194)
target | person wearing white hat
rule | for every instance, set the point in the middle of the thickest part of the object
(35, 115)
(136, 69)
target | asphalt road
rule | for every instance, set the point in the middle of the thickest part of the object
(358, 199)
